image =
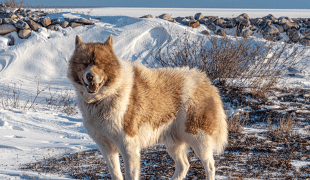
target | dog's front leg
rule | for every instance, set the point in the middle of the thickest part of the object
(111, 155)
(131, 156)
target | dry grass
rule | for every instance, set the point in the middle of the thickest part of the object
(230, 61)
(58, 101)
(14, 4)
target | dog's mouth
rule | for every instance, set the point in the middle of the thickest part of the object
(92, 88)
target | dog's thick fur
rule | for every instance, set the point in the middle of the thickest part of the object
(127, 107)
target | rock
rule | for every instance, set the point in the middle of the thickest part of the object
(205, 32)
(245, 22)
(211, 20)
(64, 24)
(220, 32)
(180, 19)
(219, 22)
(265, 23)
(305, 32)
(244, 16)
(256, 21)
(85, 21)
(193, 24)
(24, 33)
(290, 25)
(6, 21)
(45, 21)
(166, 17)
(228, 24)
(7, 28)
(247, 33)
(271, 33)
(55, 21)
(190, 18)
(293, 35)
(212, 27)
(283, 20)
(147, 16)
(0, 21)
(73, 24)
(53, 27)
(239, 31)
(307, 36)
(280, 28)
(33, 25)
(13, 16)
(21, 25)
(305, 42)
(12, 42)
(198, 16)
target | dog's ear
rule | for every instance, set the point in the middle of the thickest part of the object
(78, 40)
(109, 41)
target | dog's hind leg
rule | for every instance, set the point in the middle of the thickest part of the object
(111, 155)
(178, 151)
(203, 150)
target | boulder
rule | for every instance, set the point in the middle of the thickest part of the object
(239, 31)
(247, 33)
(305, 32)
(307, 36)
(271, 33)
(24, 33)
(256, 21)
(64, 24)
(53, 27)
(6, 21)
(0, 21)
(244, 16)
(220, 32)
(211, 20)
(305, 42)
(21, 25)
(219, 22)
(206, 32)
(293, 35)
(193, 24)
(33, 25)
(147, 16)
(45, 21)
(73, 24)
(290, 25)
(7, 28)
(283, 20)
(55, 21)
(212, 27)
(12, 40)
(280, 28)
(180, 19)
(166, 17)
(190, 18)
(245, 22)
(84, 21)
(198, 16)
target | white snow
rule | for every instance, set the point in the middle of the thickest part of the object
(29, 135)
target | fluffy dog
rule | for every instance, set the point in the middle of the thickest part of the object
(127, 107)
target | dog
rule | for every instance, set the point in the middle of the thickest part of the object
(127, 106)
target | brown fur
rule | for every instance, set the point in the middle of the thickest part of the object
(204, 109)
(155, 99)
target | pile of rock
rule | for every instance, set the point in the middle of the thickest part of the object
(270, 27)
(24, 21)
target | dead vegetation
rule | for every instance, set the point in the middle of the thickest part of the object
(56, 100)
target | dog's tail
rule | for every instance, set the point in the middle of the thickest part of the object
(221, 138)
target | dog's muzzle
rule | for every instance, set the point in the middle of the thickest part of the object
(91, 86)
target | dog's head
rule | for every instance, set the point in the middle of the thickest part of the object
(93, 67)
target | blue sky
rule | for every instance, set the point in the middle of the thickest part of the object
(261, 4)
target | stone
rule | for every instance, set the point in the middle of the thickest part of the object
(280, 28)
(219, 22)
(165, 17)
(212, 27)
(211, 20)
(244, 16)
(45, 21)
(193, 24)
(305, 42)
(147, 16)
(228, 24)
(12, 40)
(21, 25)
(24, 33)
(33, 25)
(265, 23)
(180, 19)
(256, 21)
(283, 20)
(55, 21)
(293, 35)
(53, 27)
(0, 21)
(245, 22)
(73, 24)
(206, 32)
(271, 33)
(85, 21)
(239, 31)
(7, 28)
(190, 18)
(198, 16)
(64, 24)
(220, 32)
(6, 21)
(307, 36)
(305, 32)
(247, 33)
(290, 25)
(270, 30)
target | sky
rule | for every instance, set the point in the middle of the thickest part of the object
(253, 4)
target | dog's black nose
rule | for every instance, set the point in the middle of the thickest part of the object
(89, 77)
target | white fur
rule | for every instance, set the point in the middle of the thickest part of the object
(112, 140)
